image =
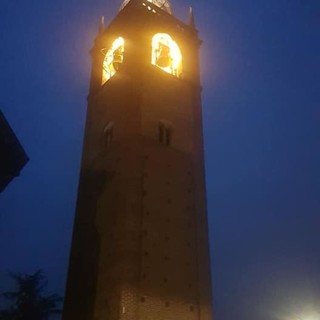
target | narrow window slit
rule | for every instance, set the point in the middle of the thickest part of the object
(165, 132)
(108, 134)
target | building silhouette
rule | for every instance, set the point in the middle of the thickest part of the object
(12, 155)
(140, 240)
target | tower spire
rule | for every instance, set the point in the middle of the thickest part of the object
(101, 25)
(192, 23)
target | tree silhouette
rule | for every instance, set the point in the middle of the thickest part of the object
(28, 301)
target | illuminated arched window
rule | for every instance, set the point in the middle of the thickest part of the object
(166, 54)
(112, 60)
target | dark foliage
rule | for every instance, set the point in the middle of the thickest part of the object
(28, 301)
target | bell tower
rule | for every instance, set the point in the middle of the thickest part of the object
(140, 247)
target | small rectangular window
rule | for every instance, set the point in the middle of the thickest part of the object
(108, 134)
(165, 132)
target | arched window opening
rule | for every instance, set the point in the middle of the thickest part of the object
(165, 132)
(108, 134)
(112, 59)
(166, 54)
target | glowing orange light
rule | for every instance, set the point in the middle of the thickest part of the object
(166, 54)
(112, 60)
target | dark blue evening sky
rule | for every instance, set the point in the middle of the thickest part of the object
(261, 76)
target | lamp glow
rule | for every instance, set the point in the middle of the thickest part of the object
(166, 54)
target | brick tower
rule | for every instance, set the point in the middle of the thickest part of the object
(140, 242)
